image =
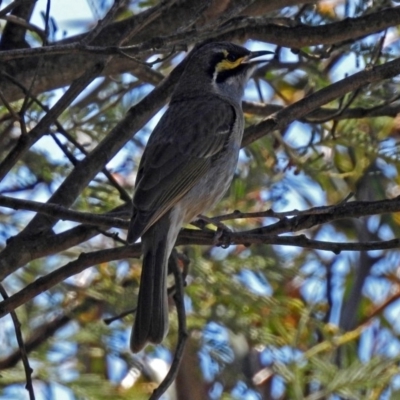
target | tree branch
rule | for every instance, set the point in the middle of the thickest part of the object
(305, 106)
(61, 213)
(316, 116)
(35, 246)
(85, 260)
(187, 237)
(283, 32)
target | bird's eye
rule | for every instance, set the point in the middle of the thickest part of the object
(231, 57)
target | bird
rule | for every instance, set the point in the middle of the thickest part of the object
(187, 167)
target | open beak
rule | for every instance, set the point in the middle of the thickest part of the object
(251, 64)
(255, 54)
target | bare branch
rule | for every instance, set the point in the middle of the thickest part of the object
(385, 110)
(269, 30)
(13, 35)
(62, 213)
(84, 261)
(282, 32)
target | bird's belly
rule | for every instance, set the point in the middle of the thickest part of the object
(212, 186)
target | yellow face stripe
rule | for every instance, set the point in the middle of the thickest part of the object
(227, 65)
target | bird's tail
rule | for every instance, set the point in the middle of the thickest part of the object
(151, 322)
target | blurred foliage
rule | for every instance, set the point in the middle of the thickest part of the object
(264, 321)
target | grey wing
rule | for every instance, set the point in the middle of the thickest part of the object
(178, 154)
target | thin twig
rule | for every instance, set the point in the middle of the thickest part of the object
(381, 307)
(40, 335)
(122, 315)
(182, 332)
(27, 25)
(151, 63)
(26, 141)
(335, 247)
(10, 7)
(386, 109)
(26, 102)
(18, 334)
(124, 195)
(103, 22)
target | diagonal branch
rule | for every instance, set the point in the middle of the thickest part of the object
(85, 260)
(305, 106)
(26, 141)
(22, 350)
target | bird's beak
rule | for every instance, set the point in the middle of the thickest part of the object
(255, 54)
(251, 64)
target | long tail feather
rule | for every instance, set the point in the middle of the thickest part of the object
(151, 322)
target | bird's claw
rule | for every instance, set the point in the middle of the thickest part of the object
(222, 237)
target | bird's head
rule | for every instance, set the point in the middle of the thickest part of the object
(220, 67)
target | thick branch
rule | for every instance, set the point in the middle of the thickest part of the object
(284, 32)
(302, 35)
(69, 67)
(287, 34)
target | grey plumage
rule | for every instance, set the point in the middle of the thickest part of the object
(187, 166)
